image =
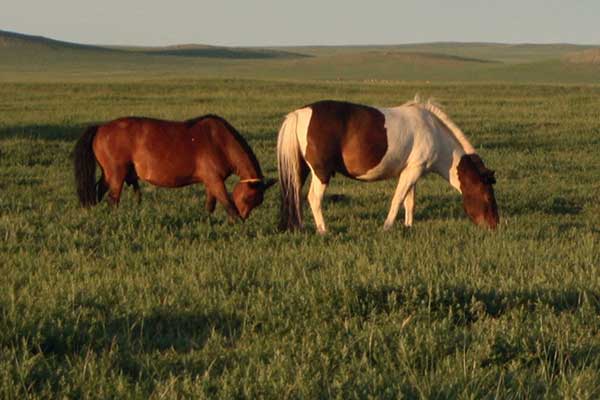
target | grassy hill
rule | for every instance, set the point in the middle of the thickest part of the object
(33, 58)
(195, 50)
(12, 43)
(24, 57)
(15, 42)
(499, 52)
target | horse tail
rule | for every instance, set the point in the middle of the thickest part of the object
(290, 164)
(85, 168)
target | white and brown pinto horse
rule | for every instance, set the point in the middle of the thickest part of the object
(370, 144)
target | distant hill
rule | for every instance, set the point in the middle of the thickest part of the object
(498, 52)
(25, 57)
(222, 52)
(396, 55)
(17, 42)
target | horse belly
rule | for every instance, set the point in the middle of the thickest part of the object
(386, 169)
(390, 166)
(166, 168)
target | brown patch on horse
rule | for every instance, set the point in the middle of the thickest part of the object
(343, 137)
(476, 182)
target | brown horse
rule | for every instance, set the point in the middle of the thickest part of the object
(369, 144)
(169, 154)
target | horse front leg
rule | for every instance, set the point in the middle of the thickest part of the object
(210, 203)
(315, 198)
(219, 191)
(407, 180)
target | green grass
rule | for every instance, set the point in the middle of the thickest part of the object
(162, 301)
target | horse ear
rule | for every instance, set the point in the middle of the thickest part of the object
(268, 183)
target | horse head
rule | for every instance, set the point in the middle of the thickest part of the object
(248, 194)
(476, 182)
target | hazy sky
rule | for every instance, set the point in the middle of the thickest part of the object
(307, 22)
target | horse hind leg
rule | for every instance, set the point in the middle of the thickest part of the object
(136, 190)
(101, 188)
(132, 180)
(115, 178)
(315, 199)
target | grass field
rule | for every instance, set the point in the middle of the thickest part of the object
(161, 301)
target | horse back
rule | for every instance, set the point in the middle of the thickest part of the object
(344, 137)
(165, 153)
(126, 137)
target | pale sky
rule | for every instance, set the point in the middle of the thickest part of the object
(306, 22)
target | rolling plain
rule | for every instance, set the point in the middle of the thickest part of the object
(162, 301)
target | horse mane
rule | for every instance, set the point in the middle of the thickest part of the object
(436, 110)
(240, 139)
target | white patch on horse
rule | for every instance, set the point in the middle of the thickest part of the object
(399, 128)
(303, 117)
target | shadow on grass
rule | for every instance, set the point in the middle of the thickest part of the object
(43, 131)
(128, 339)
(160, 330)
(562, 206)
(438, 207)
(450, 207)
(468, 304)
(338, 198)
(554, 206)
(463, 305)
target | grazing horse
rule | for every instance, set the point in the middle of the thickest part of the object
(370, 144)
(169, 154)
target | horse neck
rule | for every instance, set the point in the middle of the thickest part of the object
(449, 155)
(243, 161)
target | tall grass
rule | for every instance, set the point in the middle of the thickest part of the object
(163, 301)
